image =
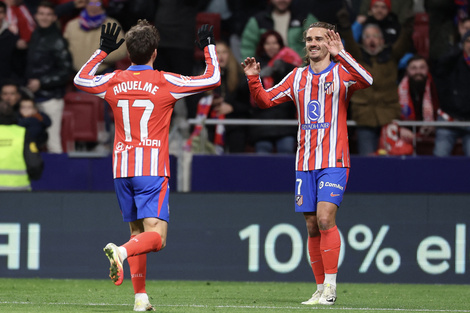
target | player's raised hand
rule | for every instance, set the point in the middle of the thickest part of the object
(251, 67)
(109, 35)
(205, 36)
(333, 42)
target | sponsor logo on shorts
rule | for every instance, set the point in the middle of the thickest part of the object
(334, 185)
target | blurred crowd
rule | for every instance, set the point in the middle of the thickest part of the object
(418, 52)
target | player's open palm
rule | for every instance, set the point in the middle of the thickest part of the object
(333, 42)
(251, 67)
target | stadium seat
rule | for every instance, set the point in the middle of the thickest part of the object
(421, 34)
(66, 132)
(211, 19)
(86, 110)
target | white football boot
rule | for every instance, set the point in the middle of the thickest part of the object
(328, 297)
(314, 299)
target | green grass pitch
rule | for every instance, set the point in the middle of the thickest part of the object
(57, 295)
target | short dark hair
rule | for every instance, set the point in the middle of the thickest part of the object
(4, 6)
(47, 4)
(416, 57)
(141, 41)
(10, 82)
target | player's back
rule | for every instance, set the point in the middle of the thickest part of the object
(142, 105)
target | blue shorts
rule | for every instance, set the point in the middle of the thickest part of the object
(143, 196)
(327, 184)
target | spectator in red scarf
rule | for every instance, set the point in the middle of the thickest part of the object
(418, 96)
(418, 99)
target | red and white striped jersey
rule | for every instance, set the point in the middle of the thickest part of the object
(142, 100)
(322, 100)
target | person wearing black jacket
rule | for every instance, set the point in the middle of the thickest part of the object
(10, 60)
(452, 78)
(48, 69)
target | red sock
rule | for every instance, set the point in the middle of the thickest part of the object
(145, 242)
(316, 259)
(138, 270)
(330, 246)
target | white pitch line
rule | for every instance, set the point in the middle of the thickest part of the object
(255, 307)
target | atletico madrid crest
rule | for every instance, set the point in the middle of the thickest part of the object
(299, 200)
(329, 87)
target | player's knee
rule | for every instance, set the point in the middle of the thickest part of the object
(325, 223)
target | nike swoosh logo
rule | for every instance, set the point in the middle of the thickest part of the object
(326, 250)
(299, 90)
(334, 194)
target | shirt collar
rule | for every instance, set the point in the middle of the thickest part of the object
(332, 64)
(139, 68)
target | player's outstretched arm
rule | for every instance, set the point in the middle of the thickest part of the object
(251, 67)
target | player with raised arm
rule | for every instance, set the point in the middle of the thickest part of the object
(321, 92)
(142, 100)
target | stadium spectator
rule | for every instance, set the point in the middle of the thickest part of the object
(10, 66)
(48, 70)
(382, 15)
(442, 34)
(142, 100)
(20, 21)
(277, 61)
(418, 97)
(279, 17)
(83, 34)
(241, 11)
(419, 102)
(401, 8)
(232, 99)
(176, 21)
(20, 160)
(325, 11)
(463, 26)
(452, 77)
(68, 10)
(322, 162)
(377, 106)
(10, 93)
(35, 122)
